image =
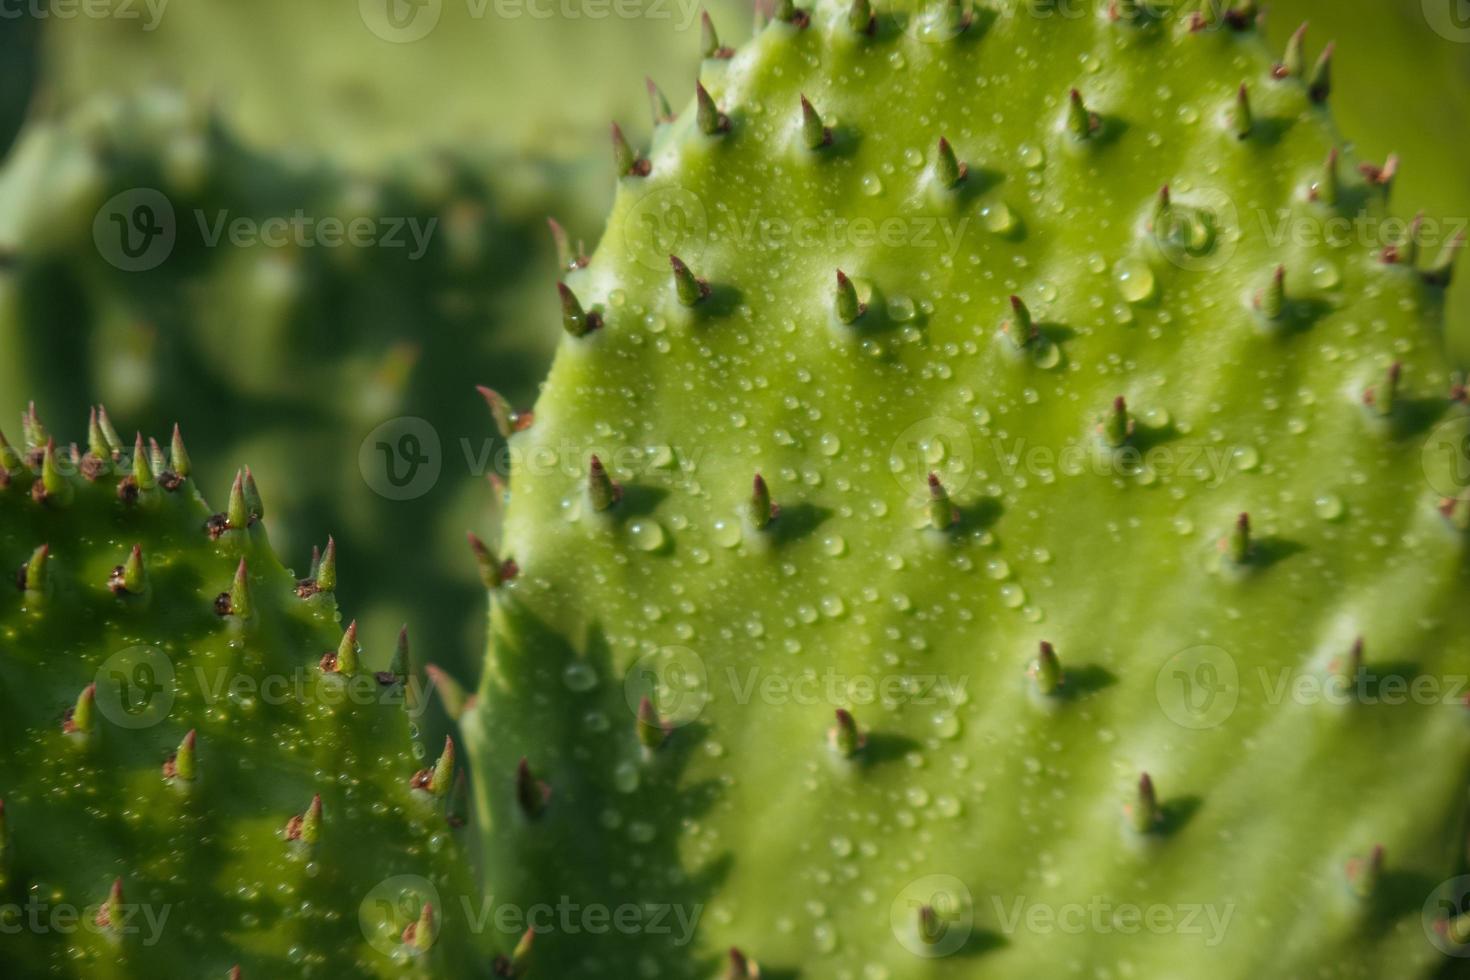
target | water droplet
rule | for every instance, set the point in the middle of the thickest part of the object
(872, 185)
(646, 534)
(1329, 506)
(1325, 274)
(1012, 595)
(997, 217)
(726, 533)
(834, 545)
(830, 444)
(579, 677)
(833, 606)
(1033, 157)
(1135, 280)
(1247, 458)
(900, 309)
(626, 777)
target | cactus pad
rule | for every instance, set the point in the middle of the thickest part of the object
(946, 367)
(201, 769)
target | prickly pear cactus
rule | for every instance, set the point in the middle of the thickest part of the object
(1392, 111)
(290, 349)
(202, 770)
(962, 536)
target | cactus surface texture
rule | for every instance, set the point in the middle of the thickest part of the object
(202, 769)
(954, 510)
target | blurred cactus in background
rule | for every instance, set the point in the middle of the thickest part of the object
(272, 342)
(1402, 87)
(282, 339)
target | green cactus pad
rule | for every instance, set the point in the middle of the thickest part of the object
(1392, 111)
(300, 351)
(196, 775)
(1080, 485)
